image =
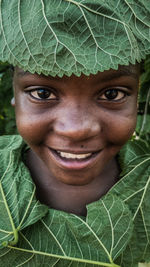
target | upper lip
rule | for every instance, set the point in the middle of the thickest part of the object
(75, 151)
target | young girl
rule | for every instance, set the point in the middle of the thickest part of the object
(68, 196)
(75, 126)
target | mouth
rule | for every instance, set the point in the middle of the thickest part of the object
(74, 161)
(72, 156)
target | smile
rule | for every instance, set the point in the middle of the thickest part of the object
(74, 161)
(74, 156)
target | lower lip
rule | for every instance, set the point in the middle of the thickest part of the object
(74, 164)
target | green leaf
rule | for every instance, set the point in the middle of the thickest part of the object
(98, 240)
(134, 189)
(143, 124)
(18, 205)
(72, 36)
(145, 82)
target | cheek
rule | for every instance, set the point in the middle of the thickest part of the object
(122, 129)
(31, 128)
(32, 122)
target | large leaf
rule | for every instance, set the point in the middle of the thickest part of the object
(116, 229)
(72, 36)
(63, 237)
(18, 205)
(134, 189)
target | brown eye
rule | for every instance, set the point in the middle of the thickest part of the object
(42, 94)
(113, 94)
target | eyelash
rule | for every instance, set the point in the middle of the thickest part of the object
(53, 96)
(116, 91)
(41, 90)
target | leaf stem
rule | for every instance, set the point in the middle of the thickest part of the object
(100, 242)
(79, 5)
(66, 257)
(142, 198)
(27, 209)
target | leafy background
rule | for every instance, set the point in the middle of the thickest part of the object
(7, 116)
(143, 122)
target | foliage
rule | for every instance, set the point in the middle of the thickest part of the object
(7, 118)
(116, 230)
(72, 36)
(143, 122)
(114, 233)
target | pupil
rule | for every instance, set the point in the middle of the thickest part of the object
(42, 93)
(111, 94)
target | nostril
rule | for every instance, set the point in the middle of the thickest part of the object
(77, 129)
(76, 134)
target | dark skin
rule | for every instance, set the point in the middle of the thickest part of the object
(75, 127)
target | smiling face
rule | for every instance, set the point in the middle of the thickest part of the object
(76, 125)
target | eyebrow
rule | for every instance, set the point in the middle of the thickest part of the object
(22, 73)
(120, 73)
(115, 74)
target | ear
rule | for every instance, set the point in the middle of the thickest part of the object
(13, 102)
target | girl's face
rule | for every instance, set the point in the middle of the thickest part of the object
(76, 125)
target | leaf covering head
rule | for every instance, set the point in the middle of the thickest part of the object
(62, 37)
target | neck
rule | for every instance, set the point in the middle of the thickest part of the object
(69, 198)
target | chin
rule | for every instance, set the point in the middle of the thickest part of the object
(74, 179)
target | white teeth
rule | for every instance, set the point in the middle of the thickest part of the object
(73, 156)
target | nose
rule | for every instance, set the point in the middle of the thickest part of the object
(77, 124)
